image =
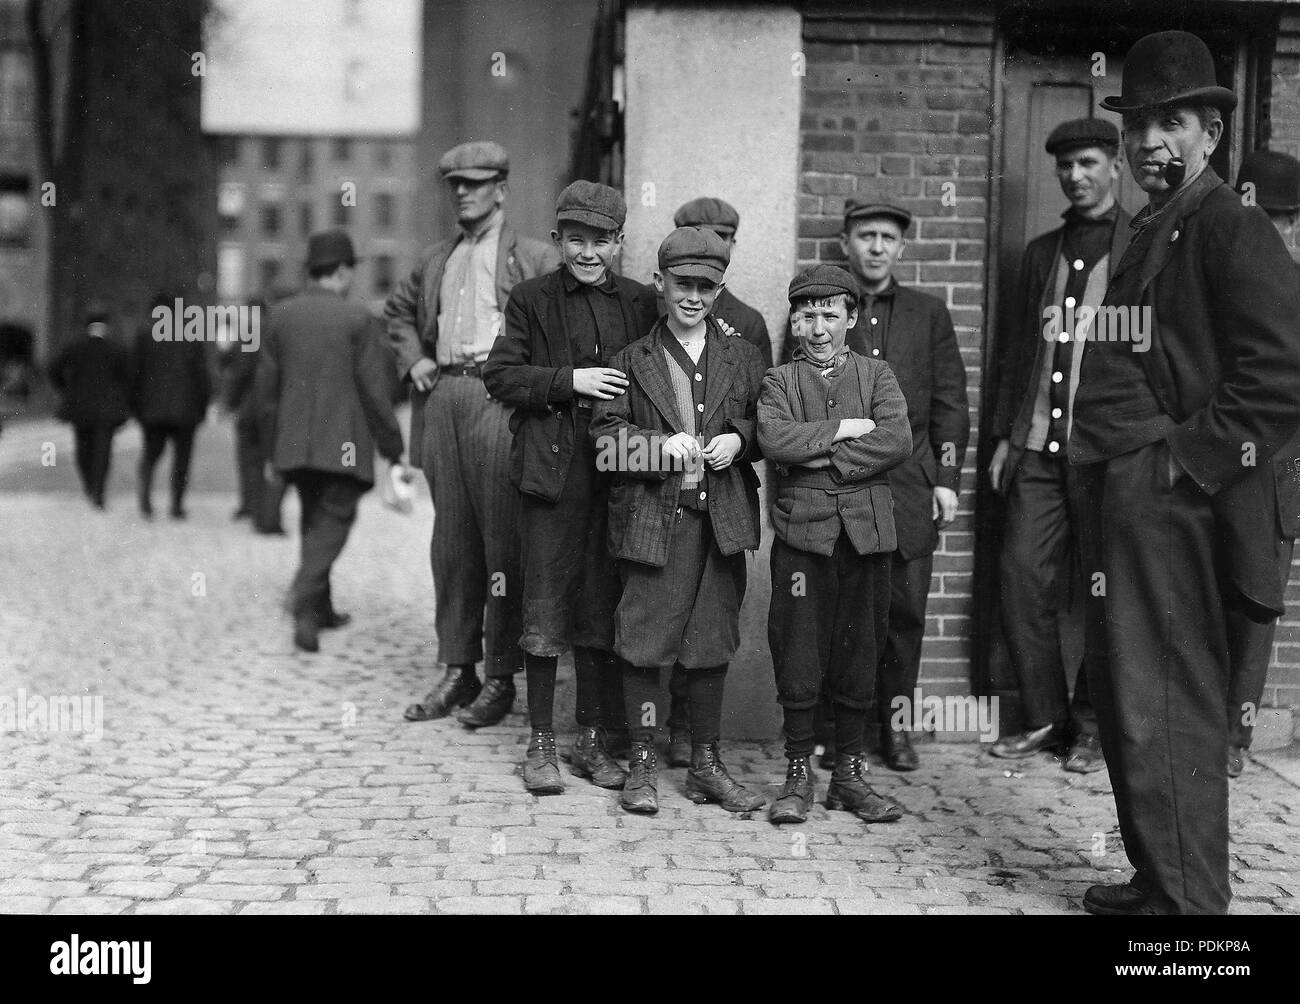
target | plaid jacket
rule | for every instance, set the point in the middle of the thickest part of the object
(643, 503)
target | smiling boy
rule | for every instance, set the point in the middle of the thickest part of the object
(680, 529)
(551, 365)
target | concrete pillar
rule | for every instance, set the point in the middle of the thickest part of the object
(713, 100)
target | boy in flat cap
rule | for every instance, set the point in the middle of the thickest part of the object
(1175, 440)
(551, 367)
(683, 511)
(1063, 275)
(1271, 180)
(835, 423)
(442, 321)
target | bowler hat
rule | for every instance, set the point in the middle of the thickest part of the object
(694, 252)
(1276, 178)
(822, 281)
(706, 211)
(1169, 67)
(856, 209)
(1082, 132)
(591, 203)
(477, 161)
(328, 248)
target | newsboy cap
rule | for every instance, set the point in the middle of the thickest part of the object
(1082, 132)
(1169, 67)
(477, 161)
(1276, 177)
(857, 209)
(694, 252)
(591, 203)
(821, 281)
(327, 248)
(706, 211)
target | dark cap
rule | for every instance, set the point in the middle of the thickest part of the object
(821, 281)
(1276, 177)
(694, 252)
(856, 209)
(713, 214)
(477, 161)
(591, 203)
(327, 248)
(1082, 132)
(1169, 67)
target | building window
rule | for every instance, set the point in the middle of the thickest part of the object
(384, 211)
(228, 151)
(342, 149)
(383, 275)
(271, 151)
(230, 272)
(15, 209)
(268, 271)
(307, 162)
(230, 198)
(270, 219)
(230, 224)
(305, 218)
(341, 215)
(383, 156)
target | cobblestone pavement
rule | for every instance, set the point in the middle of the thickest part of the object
(235, 776)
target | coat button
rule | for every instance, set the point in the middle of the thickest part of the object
(1174, 235)
(830, 403)
(703, 496)
(554, 448)
(875, 352)
(699, 376)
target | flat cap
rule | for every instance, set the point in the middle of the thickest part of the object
(694, 252)
(1276, 177)
(1082, 132)
(856, 209)
(706, 211)
(477, 161)
(591, 203)
(822, 281)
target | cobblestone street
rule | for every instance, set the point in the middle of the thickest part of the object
(233, 775)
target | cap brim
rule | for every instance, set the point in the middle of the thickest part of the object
(901, 219)
(589, 218)
(821, 292)
(1220, 97)
(697, 270)
(472, 174)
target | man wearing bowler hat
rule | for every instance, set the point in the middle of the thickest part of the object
(1042, 345)
(1271, 180)
(442, 321)
(323, 405)
(1184, 397)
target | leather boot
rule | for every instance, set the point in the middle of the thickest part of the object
(792, 805)
(1120, 900)
(896, 750)
(590, 758)
(458, 686)
(1085, 755)
(708, 781)
(491, 705)
(679, 748)
(850, 791)
(542, 764)
(1029, 742)
(641, 790)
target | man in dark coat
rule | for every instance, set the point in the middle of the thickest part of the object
(442, 321)
(170, 390)
(323, 399)
(93, 375)
(911, 331)
(1184, 397)
(1031, 420)
(1270, 180)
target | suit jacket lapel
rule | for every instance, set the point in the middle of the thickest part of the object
(721, 372)
(650, 370)
(557, 324)
(1170, 230)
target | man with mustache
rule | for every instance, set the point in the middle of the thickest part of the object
(1180, 498)
(1064, 271)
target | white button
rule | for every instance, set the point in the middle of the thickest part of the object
(699, 407)
(1053, 446)
(1057, 377)
(1056, 412)
(875, 320)
(1174, 235)
(703, 496)
(1069, 301)
(699, 376)
(1078, 264)
(1064, 336)
(875, 352)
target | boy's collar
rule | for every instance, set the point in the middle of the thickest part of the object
(572, 285)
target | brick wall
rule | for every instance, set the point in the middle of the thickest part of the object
(896, 106)
(1283, 688)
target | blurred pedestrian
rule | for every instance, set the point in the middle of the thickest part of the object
(170, 390)
(93, 375)
(323, 408)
